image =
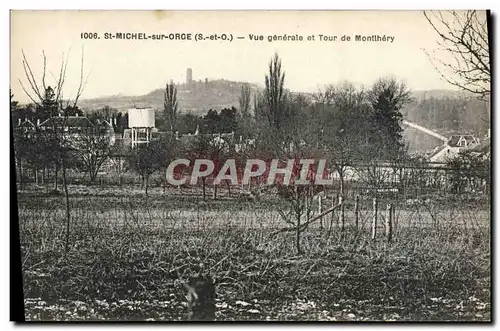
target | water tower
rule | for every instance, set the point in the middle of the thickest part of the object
(141, 121)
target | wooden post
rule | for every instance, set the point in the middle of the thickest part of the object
(394, 220)
(320, 211)
(334, 202)
(101, 182)
(374, 222)
(341, 204)
(356, 212)
(388, 223)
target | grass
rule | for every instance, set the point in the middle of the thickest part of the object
(128, 252)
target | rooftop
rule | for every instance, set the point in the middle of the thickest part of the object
(69, 121)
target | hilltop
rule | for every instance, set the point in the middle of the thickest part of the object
(195, 98)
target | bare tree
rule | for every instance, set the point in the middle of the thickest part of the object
(343, 119)
(464, 36)
(47, 99)
(346, 96)
(38, 88)
(324, 96)
(212, 148)
(93, 147)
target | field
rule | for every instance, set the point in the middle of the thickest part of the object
(126, 253)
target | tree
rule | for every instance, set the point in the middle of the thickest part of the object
(244, 100)
(324, 96)
(300, 143)
(72, 111)
(41, 93)
(342, 138)
(170, 106)
(93, 147)
(227, 119)
(470, 170)
(245, 122)
(49, 106)
(259, 107)
(121, 122)
(22, 150)
(387, 97)
(145, 159)
(13, 103)
(464, 39)
(20, 142)
(48, 101)
(212, 148)
(189, 123)
(211, 122)
(274, 93)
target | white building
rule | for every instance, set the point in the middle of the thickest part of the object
(455, 145)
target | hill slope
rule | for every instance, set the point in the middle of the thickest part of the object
(196, 98)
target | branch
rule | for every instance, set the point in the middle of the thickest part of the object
(467, 41)
(62, 77)
(82, 83)
(31, 78)
(29, 96)
(306, 224)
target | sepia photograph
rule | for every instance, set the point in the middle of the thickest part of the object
(258, 165)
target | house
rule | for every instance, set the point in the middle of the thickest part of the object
(453, 147)
(74, 126)
(69, 124)
(26, 126)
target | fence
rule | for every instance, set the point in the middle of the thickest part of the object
(406, 181)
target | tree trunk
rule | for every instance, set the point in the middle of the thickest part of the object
(228, 188)
(374, 220)
(320, 211)
(341, 179)
(146, 182)
(66, 196)
(341, 214)
(93, 176)
(204, 192)
(297, 234)
(55, 179)
(215, 192)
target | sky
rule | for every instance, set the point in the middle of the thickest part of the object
(136, 67)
